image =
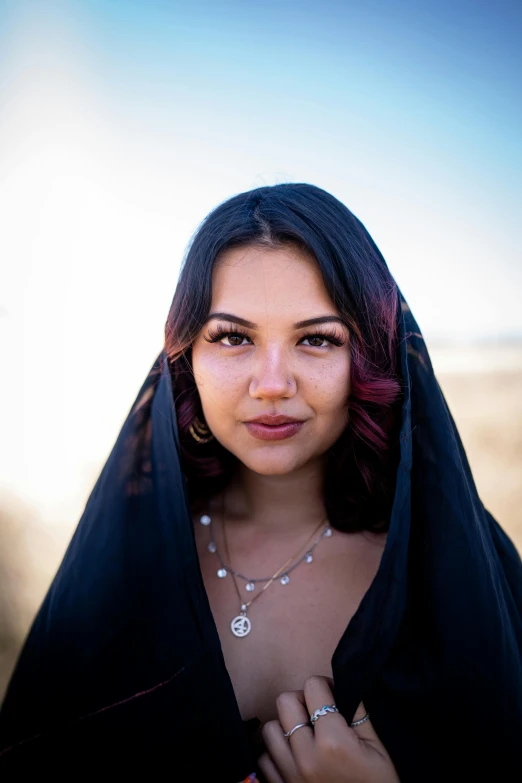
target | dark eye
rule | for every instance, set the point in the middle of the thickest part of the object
(234, 339)
(316, 340)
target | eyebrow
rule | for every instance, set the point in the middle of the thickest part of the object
(323, 319)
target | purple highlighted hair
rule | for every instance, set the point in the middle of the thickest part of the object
(361, 465)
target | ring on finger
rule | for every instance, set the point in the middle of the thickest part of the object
(322, 711)
(361, 721)
(288, 734)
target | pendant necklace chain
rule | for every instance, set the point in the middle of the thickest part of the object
(241, 625)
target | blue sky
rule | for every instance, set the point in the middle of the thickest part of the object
(409, 77)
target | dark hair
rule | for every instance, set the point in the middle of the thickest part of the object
(361, 465)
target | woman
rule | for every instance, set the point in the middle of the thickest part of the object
(284, 565)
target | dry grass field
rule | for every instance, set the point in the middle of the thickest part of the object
(484, 395)
(483, 387)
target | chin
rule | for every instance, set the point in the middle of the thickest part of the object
(272, 464)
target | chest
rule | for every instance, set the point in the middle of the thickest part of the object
(295, 628)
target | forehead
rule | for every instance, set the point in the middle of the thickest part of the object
(254, 280)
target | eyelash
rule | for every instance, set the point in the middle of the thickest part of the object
(220, 331)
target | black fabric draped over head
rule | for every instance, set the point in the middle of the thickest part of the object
(123, 666)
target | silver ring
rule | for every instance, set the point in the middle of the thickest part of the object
(299, 726)
(322, 711)
(362, 720)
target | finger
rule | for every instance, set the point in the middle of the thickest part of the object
(279, 749)
(318, 694)
(269, 769)
(292, 710)
(371, 743)
(364, 731)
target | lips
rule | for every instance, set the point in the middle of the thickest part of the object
(273, 427)
(273, 421)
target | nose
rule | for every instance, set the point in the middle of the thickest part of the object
(272, 378)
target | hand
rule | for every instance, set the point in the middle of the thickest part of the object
(330, 751)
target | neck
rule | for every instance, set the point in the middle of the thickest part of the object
(281, 506)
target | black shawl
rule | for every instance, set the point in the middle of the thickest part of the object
(123, 667)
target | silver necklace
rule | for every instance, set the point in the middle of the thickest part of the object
(241, 625)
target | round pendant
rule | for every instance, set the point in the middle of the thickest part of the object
(212, 546)
(284, 579)
(250, 586)
(205, 519)
(222, 572)
(309, 558)
(240, 625)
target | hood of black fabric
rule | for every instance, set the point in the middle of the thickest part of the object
(124, 660)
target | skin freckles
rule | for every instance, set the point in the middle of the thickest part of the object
(273, 367)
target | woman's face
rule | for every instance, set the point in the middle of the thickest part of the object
(273, 345)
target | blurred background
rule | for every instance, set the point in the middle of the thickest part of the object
(123, 123)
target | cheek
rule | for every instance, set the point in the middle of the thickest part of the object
(329, 388)
(219, 382)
